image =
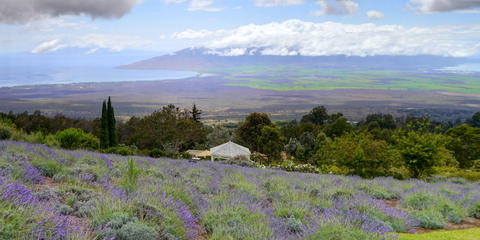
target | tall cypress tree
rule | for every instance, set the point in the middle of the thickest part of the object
(104, 136)
(196, 113)
(112, 127)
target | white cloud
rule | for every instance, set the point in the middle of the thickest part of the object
(202, 5)
(295, 37)
(192, 34)
(336, 7)
(50, 46)
(375, 14)
(174, 1)
(95, 42)
(431, 6)
(24, 11)
(272, 3)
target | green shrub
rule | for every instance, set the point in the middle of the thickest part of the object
(470, 175)
(121, 150)
(338, 232)
(418, 200)
(74, 138)
(429, 219)
(474, 210)
(51, 141)
(294, 225)
(48, 168)
(130, 176)
(5, 132)
(136, 231)
(156, 153)
(450, 211)
(65, 210)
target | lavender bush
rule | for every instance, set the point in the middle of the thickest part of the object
(50, 193)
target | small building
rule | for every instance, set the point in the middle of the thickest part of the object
(228, 151)
(198, 154)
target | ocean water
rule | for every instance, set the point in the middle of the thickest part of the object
(38, 75)
(467, 67)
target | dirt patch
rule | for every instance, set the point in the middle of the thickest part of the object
(465, 224)
(393, 203)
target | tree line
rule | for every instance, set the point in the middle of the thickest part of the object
(379, 145)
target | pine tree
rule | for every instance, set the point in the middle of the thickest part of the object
(196, 113)
(112, 127)
(104, 136)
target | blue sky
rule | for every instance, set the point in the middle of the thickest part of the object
(281, 27)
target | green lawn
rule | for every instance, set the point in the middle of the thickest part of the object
(467, 234)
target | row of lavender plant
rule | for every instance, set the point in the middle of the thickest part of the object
(58, 194)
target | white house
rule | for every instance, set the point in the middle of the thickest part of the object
(229, 150)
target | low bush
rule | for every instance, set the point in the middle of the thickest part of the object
(48, 168)
(474, 210)
(429, 219)
(156, 153)
(419, 200)
(450, 211)
(5, 132)
(74, 138)
(120, 150)
(121, 226)
(136, 231)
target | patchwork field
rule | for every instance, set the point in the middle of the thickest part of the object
(57, 194)
(284, 92)
(287, 78)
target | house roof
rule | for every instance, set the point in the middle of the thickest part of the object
(230, 150)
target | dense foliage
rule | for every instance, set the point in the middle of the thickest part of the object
(380, 145)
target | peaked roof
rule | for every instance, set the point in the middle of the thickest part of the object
(229, 149)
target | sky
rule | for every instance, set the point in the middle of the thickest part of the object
(237, 27)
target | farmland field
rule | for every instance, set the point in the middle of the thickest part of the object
(285, 78)
(58, 194)
(284, 92)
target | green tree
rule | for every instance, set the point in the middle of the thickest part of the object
(421, 150)
(464, 141)
(169, 129)
(270, 142)
(250, 130)
(196, 113)
(104, 135)
(112, 125)
(475, 120)
(338, 128)
(317, 115)
(358, 154)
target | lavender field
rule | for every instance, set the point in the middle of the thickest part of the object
(57, 194)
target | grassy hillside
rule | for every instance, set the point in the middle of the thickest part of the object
(57, 194)
(444, 235)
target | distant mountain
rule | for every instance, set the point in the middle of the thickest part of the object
(202, 59)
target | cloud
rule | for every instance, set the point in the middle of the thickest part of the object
(202, 5)
(95, 42)
(273, 3)
(432, 6)
(375, 14)
(50, 46)
(337, 7)
(296, 37)
(24, 11)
